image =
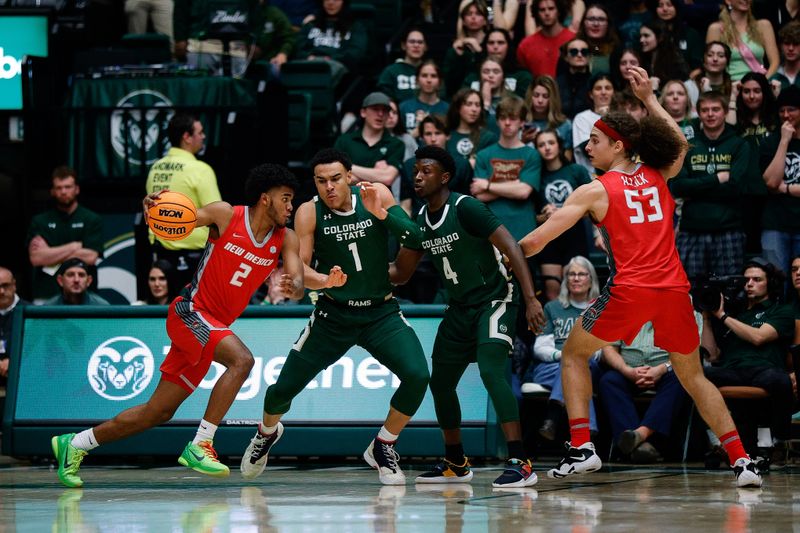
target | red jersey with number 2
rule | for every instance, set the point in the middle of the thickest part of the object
(233, 266)
(638, 231)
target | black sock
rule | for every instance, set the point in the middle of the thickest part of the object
(516, 450)
(454, 453)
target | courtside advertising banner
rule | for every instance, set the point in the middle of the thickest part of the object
(81, 369)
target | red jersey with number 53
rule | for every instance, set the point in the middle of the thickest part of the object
(638, 231)
(233, 266)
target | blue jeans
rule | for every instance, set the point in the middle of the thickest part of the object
(617, 394)
(549, 375)
(779, 247)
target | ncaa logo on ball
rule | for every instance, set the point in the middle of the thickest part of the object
(142, 124)
(120, 368)
(170, 213)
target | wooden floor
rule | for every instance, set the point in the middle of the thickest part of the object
(348, 498)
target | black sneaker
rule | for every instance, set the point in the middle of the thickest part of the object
(255, 456)
(517, 474)
(580, 460)
(384, 458)
(747, 474)
(447, 472)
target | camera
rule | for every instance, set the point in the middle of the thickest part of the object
(706, 291)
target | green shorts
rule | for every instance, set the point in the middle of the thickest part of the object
(464, 328)
(334, 328)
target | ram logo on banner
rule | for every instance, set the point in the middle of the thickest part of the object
(136, 132)
(120, 368)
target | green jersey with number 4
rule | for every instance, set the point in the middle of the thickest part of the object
(357, 241)
(457, 239)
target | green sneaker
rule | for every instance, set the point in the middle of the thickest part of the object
(69, 459)
(202, 458)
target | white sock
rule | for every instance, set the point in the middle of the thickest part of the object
(386, 436)
(85, 440)
(266, 431)
(205, 431)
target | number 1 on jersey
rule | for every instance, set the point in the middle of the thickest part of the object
(449, 273)
(354, 250)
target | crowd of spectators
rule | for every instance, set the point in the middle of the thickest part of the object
(513, 99)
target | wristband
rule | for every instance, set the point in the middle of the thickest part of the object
(724, 317)
(489, 185)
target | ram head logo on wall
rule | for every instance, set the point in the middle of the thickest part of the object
(120, 368)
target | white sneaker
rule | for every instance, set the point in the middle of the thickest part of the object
(747, 474)
(255, 456)
(384, 458)
(580, 460)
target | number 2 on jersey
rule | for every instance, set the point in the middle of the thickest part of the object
(636, 201)
(239, 275)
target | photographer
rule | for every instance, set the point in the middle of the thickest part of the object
(751, 349)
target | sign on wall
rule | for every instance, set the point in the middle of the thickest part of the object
(76, 369)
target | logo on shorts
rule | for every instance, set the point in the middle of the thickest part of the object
(120, 368)
(139, 128)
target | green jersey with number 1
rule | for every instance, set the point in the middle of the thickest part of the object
(457, 239)
(357, 241)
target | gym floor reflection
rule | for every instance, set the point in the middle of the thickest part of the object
(350, 499)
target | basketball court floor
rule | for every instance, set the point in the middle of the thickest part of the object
(349, 498)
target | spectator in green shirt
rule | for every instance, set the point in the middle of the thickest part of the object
(751, 349)
(376, 154)
(69, 230)
(274, 36)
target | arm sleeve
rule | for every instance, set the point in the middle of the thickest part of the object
(285, 35)
(782, 319)
(406, 230)
(93, 235)
(34, 229)
(544, 349)
(532, 171)
(302, 44)
(483, 170)
(355, 49)
(476, 218)
(206, 185)
(395, 153)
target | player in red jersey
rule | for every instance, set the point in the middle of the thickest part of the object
(243, 248)
(633, 209)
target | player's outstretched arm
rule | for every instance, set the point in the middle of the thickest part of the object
(404, 265)
(578, 204)
(291, 282)
(643, 89)
(305, 223)
(503, 241)
(379, 201)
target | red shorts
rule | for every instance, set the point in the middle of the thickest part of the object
(620, 312)
(194, 337)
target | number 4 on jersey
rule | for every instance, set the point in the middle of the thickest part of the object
(449, 273)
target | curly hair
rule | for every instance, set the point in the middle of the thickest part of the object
(265, 177)
(659, 147)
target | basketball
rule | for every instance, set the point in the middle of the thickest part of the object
(172, 217)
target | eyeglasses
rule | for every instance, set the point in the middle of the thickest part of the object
(415, 41)
(574, 52)
(596, 20)
(578, 275)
